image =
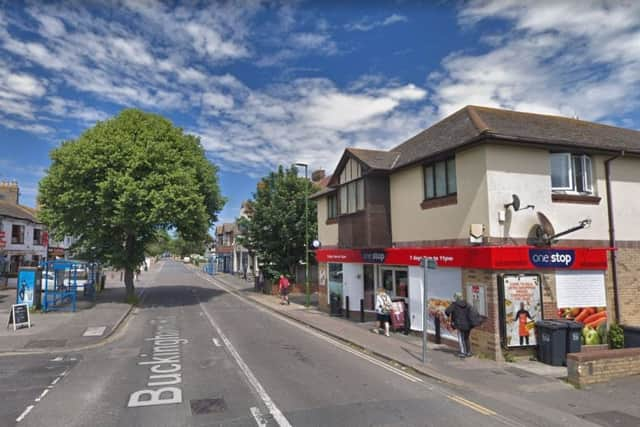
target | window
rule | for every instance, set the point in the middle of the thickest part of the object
(37, 237)
(440, 179)
(17, 234)
(571, 172)
(352, 197)
(332, 206)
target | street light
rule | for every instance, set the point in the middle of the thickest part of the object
(306, 234)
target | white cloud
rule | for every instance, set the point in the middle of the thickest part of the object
(563, 58)
(368, 24)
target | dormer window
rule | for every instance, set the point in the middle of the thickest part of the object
(571, 173)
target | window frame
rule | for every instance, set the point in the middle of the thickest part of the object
(332, 206)
(14, 240)
(37, 241)
(347, 198)
(429, 171)
(586, 174)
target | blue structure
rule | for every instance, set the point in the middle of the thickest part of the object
(60, 283)
(210, 266)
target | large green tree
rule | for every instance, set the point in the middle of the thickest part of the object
(276, 227)
(123, 180)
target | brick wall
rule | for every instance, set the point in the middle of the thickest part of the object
(628, 285)
(601, 366)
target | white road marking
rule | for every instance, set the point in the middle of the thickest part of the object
(94, 331)
(54, 382)
(278, 416)
(57, 359)
(43, 394)
(257, 415)
(216, 342)
(229, 289)
(336, 343)
(24, 413)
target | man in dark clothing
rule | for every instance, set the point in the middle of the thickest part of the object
(458, 311)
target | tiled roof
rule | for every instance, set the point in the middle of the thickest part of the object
(375, 159)
(17, 211)
(473, 122)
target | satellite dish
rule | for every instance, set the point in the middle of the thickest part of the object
(515, 203)
(543, 232)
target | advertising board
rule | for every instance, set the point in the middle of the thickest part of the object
(521, 307)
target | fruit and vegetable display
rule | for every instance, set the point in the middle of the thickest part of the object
(593, 319)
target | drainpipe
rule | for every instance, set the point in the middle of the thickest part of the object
(612, 234)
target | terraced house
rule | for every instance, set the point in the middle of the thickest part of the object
(517, 209)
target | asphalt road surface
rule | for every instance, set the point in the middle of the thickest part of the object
(194, 354)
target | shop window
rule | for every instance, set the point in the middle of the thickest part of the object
(17, 234)
(440, 179)
(571, 173)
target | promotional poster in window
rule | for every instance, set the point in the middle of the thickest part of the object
(522, 307)
(581, 297)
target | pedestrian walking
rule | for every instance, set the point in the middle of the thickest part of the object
(383, 310)
(522, 318)
(261, 282)
(284, 285)
(459, 313)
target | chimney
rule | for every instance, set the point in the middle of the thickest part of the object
(9, 191)
(317, 175)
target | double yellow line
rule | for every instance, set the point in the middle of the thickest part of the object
(472, 405)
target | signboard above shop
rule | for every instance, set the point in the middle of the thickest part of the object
(484, 257)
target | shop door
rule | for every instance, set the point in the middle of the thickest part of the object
(394, 280)
(335, 283)
(369, 287)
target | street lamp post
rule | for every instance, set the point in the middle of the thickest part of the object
(306, 234)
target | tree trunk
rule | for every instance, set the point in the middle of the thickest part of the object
(128, 283)
(128, 271)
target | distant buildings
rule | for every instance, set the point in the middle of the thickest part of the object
(23, 238)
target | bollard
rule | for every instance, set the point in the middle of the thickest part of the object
(437, 327)
(361, 310)
(346, 313)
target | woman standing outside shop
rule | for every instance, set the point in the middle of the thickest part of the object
(383, 308)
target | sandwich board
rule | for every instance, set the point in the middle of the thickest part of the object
(19, 316)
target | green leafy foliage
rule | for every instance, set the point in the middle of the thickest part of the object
(276, 229)
(125, 179)
(616, 336)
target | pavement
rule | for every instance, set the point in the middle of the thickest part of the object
(55, 331)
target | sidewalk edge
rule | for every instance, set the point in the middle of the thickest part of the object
(113, 330)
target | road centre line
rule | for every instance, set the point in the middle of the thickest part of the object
(24, 413)
(257, 415)
(216, 342)
(253, 381)
(308, 330)
(43, 394)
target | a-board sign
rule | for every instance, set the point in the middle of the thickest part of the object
(19, 316)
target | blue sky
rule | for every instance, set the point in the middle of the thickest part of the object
(269, 83)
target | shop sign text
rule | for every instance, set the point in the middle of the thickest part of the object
(554, 258)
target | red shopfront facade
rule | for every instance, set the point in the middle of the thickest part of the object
(499, 280)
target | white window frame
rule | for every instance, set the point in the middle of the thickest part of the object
(586, 176)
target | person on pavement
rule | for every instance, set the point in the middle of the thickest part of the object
(522, 318)
(283, 285)
(383, 310)
(458, 311)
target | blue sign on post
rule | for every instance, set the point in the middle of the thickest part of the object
(26, 287)
(552, 258)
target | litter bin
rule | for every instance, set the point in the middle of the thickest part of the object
(574, 333)
(335, 301)
(552, 342)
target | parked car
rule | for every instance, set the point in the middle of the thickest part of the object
(48, 280)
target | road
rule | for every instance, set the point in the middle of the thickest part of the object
(222, 360)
